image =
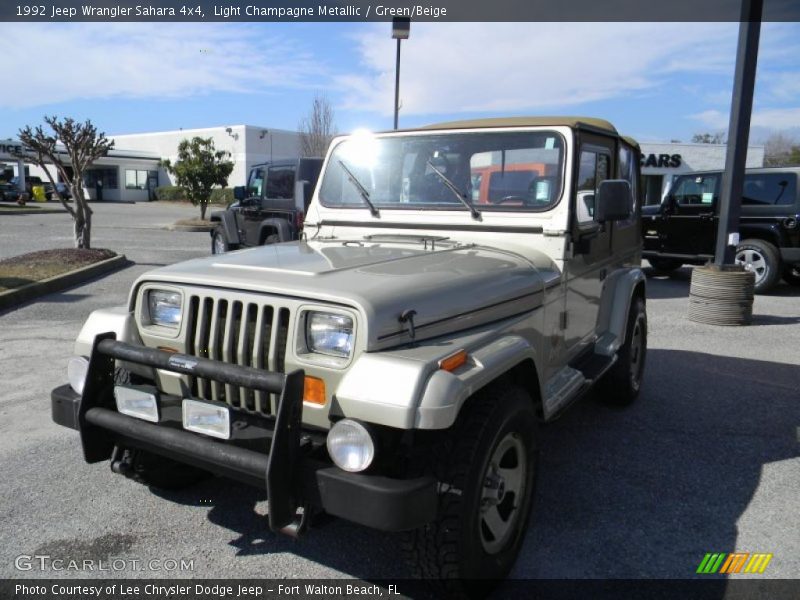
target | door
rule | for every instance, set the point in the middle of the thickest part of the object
(627, 235)
(689, 221)
(591, 241)
(247, 214)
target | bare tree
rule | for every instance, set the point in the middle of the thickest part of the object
(781, 151)
(718, 137)
(317, 129)
(83, 145)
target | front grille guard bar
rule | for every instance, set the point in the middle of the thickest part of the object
(282, 461)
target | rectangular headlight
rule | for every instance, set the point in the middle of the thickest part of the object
(206, 418)
(330, 334)
(136, 403)
(164, 308)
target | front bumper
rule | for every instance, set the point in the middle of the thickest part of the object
(291, 477)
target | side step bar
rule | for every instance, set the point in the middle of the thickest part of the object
(571, 382)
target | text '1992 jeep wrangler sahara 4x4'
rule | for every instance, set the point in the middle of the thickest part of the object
(390, 368)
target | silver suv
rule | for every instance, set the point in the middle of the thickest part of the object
(455, 285)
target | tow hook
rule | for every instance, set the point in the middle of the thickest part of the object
(122, 461)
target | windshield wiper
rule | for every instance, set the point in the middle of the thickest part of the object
(462, 197)
(361, 189)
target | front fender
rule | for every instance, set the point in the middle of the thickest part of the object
(228, 221)
(117, 319)
(416, 394)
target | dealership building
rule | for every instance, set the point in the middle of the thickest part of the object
(661, 162)
(132, 171)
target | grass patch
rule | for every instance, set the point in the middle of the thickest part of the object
(36, 266)
(12, 207)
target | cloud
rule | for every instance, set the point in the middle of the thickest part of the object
(52, 63)
(770, 118)
(482, 67)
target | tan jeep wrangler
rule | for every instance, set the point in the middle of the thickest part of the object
(454, 286)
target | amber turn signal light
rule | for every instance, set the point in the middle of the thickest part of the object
(313, 390)
(452, 362)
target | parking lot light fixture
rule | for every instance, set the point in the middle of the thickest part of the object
(401, 28)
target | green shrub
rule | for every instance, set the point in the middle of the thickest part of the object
(222, 196)
(175, 193)
(171, 193)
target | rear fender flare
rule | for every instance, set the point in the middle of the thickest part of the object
(620, 288)
(281, 228)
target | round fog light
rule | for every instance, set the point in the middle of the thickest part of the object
(350, 445)
(77, 368)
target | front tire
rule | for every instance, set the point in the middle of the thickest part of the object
(763, 259)
(219, 242)
(486, 467)
(621, 385)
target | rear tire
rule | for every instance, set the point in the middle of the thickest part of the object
(763, 259)
(486, 465)
(621, 385)
(273, 238)
(665, 265)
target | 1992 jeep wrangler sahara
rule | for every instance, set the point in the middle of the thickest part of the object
(391, 367)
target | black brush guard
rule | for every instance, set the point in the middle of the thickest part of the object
(291, 479)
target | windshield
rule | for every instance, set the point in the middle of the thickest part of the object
(506, 171)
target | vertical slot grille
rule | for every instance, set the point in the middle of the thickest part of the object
(242, 333)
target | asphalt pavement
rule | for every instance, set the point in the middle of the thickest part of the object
(705, 461)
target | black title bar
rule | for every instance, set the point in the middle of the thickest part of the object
(371, 10)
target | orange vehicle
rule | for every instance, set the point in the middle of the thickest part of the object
(523, 182)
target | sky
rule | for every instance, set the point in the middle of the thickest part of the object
(654, 81)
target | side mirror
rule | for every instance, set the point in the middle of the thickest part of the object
(239, 192)
(614, 201)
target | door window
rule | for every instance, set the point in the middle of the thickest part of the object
(280, 182)
(256, 183)
(594, 168)
(696, 190)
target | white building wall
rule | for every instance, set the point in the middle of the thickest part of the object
(247, 144)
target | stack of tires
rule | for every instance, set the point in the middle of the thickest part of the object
(721, 296)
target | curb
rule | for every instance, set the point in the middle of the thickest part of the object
(57, 283)
(32, 211)
(195, 228)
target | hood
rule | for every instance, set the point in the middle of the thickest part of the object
(449, 286)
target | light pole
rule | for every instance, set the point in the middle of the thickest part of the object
(722, 293)
(267, 132)
(401, 27)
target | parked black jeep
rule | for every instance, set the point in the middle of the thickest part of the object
(683, 229)
(270, 208)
